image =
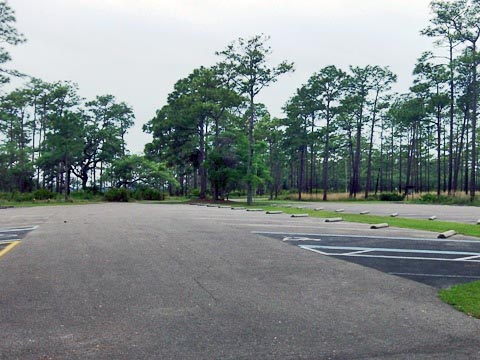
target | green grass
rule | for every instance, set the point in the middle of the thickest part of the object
(167, 201)
(418, 224)
(40, 203)
(463, 297)
(79, 201)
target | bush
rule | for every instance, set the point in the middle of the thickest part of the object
(117, 195)
(195, 193)
(43, 194)
(391, 197)
(83, 195)
(21, 197)
(434, 199)
(149, 194)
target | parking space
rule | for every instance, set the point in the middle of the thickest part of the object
(11, 236)
(438, 263)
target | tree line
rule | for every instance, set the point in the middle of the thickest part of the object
(344, 130)
(53, 139)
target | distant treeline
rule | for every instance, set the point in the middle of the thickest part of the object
(344, 130)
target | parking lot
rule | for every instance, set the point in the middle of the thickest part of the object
(11, 237)
(137, 281)
(435, 262)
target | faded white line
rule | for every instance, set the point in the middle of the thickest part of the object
(435, 275)
(19, 229)
(365, 237)
(393, 250)
(358, 252)
(469, 257)
(299, 239)
(315, 249)
(311, 249)
(8, 241)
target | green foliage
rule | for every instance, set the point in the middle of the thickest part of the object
(446, 200)
(135, 170)
(391, 197)
(117, 195)
(124, 195)
(8, 35)
(245, 61)
(148, 194)
(43, 194)
(195, 193)
(464, 297)
(87, 194)
(434, 199)
(16, 196)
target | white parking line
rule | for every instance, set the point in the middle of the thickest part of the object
(19, 229)
(293, 238)
(361, 252)
(435, 275)
(364, 237)
(358, 252)
(8, 241)
(470, 257)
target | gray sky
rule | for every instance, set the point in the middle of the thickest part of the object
(137, 49)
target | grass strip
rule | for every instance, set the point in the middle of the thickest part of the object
(463, 297)
(418, 224)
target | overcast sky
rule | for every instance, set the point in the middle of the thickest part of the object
(137, 49)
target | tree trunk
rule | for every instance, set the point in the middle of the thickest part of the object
(250, 152)
(356, 163)
(452, 114)
(370, 146)
(439, 142)
(459, 151)
(201, 161)
(300, 171)
(326, 153)
(473, 140)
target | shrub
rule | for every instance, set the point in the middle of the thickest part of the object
(43, 194)
(149, 194)
(21, 197)
(434, 199)
(195, 193)
(83, 195)
(117, 195)
(391, 197)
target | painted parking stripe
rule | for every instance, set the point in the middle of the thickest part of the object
(470, 257)
(8, 241)
(19, 229)
(393, 250)
(9, 248)
(365, 251)
(363, 237)
(435, 275)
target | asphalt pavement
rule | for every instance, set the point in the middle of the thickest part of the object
(145, 281)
